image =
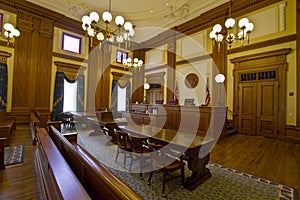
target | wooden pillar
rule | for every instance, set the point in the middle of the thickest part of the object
(298, 62)
(171, 66)
(138, 78)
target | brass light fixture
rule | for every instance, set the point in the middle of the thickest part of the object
(123, 33)
(10, 33)
(132, 64)
(245, 26)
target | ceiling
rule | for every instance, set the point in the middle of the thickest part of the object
(149, 17)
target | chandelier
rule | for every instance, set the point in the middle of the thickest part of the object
(10, 32)
(89, 24)
(245, 26)
(132, 64)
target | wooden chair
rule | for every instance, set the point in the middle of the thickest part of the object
(164, 162)
(124, 146)
(140, 150)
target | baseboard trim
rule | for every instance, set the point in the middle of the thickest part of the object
(292, 133)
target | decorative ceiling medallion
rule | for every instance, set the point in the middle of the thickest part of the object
(191, 80)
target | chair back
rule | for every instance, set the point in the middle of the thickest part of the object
(138, 144)
(123, 139)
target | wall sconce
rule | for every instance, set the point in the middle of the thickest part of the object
(146, 86)
(220, 78)
(10, 32)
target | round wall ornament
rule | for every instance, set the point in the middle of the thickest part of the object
(191, 80)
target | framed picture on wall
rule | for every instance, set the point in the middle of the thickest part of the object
(71, 43)
(1, 23)
(120, 56)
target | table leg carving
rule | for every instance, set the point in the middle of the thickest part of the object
(200, 172)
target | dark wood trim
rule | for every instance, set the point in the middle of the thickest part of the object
(263, 44)
(298, 62)
(120, 76)
(5, 44)
(3, 56)
(156, 68)
(194, 59)
(74, 58)
(292, 133)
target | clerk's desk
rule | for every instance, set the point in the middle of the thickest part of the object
(196, 149)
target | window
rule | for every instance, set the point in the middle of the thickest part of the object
(70, 96)
(121, 55)
(121, 99)
(1, 23)
(71, 43)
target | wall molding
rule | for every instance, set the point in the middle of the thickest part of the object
(292, 133)
(280, 40)
(3, 56)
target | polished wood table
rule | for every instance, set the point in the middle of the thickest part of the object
(196, 149)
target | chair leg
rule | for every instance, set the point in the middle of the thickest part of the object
(182, 175)
(125, 155)
(117, 154)
(164, 184)
(150, 177)
(141, 167)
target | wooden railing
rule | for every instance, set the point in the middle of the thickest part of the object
(95, 178)
(57, 180)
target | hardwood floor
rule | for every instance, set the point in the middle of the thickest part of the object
(20, 181)
(268, 158)
(264, 157)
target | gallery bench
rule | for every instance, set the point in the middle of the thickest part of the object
(7, 124)
(56, 179)
(98, 182)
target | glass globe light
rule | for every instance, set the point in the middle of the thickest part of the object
(86, 20)
(91, 32)
(106, 16)
(128, 26)
(220, 37)
(15, 33)
(140, 63)
(229, 23)
(219, 78)
(100, 36)
(217, 28)
(111, 39)
(119, 38)
(135, 60)
(94, 16)
(249, 27)
(8, 27)
(243, 22)
(6, 34)
(146, 86)
(212, 35)
(119, 20)
(131, 33)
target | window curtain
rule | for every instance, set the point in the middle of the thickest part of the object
(114, 99)
(80, 93)
(3, 86)
(58, 99)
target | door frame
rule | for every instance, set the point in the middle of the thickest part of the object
(271, 60)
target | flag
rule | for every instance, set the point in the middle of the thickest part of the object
(207, 96)
(176, 92)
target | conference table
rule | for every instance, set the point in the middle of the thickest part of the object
(194, 148)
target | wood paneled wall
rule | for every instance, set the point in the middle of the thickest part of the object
(33, 56)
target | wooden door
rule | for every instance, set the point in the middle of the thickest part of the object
(258, 108)
(267, 108)
(247, 108)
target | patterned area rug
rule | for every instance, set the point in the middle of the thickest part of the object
(225, 183)
(14, 155)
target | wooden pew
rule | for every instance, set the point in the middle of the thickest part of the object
(96, 179)
(57, 180)
(7, 124)
(2, 164)
(34, 123)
